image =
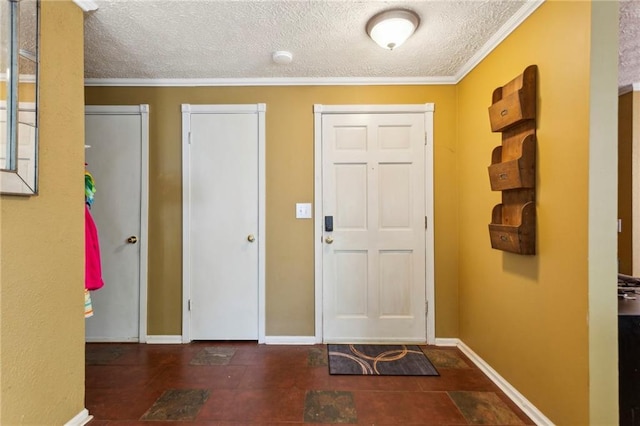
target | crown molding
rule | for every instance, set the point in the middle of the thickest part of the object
(276, 81)
(518, 18)
(86, 5)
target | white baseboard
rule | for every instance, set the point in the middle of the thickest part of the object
(527, 407)
(110, 340)
(164, 339)
(290, 340)
(269, 340)
(446, 341)
(80, 419)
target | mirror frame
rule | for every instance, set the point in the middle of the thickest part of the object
(20, 178)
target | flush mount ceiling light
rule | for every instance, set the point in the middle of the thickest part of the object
(393, 27)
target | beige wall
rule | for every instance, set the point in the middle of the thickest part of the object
(42, 246)
(602, 265)
(527, 316)
(289, 170)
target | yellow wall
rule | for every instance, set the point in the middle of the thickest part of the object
(42, 246)
(625, 152)
(289, 171)
(527, 316)
(26, 91)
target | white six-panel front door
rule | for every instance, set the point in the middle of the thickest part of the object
(373, 182)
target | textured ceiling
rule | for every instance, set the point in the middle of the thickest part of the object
(235, 39)
(629, 50)
(213, 39)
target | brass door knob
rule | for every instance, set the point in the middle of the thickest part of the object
(251, 238)
(132, 239)
(328, 240)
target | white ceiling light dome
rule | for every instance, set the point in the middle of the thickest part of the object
(392, 27)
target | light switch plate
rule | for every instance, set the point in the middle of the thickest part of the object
(303, 210)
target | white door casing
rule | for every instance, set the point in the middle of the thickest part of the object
(117, 140)
(374, 175)
(223, 222)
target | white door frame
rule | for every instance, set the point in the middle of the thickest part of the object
(187, 110)
(143, 111)
(427, 109)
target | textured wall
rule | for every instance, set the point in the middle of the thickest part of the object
(533, 311)
(625, 153)
(42, 246)
(289, 170)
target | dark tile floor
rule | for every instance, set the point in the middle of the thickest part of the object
(243, 383)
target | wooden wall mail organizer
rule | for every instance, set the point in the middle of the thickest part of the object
(513, 164)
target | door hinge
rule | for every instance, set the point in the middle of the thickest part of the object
(425, 138)
(426, 308)
(425, 222)
(189, 138)
(189, 305)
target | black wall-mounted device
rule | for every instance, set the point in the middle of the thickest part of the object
(328, 223)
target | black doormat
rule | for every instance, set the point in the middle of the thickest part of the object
(383, 360)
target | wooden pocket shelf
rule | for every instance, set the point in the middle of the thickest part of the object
(513, 164)
(519, 172)
(514, 102)
(512, 228)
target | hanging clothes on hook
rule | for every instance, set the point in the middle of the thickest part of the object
(89, 190)
(93, 269)
(89, 187)
(88, 307)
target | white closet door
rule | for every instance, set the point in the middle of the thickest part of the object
(222, 225)
(115, 136)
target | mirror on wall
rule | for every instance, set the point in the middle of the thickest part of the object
(19, 57)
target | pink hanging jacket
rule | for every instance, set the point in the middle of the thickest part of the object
(93, 270)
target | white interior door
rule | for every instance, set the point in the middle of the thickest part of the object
(373, 183)
(116, 139)
(222, 234)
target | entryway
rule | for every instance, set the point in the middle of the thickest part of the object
(223, 222)
(374, 223)
(117, 140)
